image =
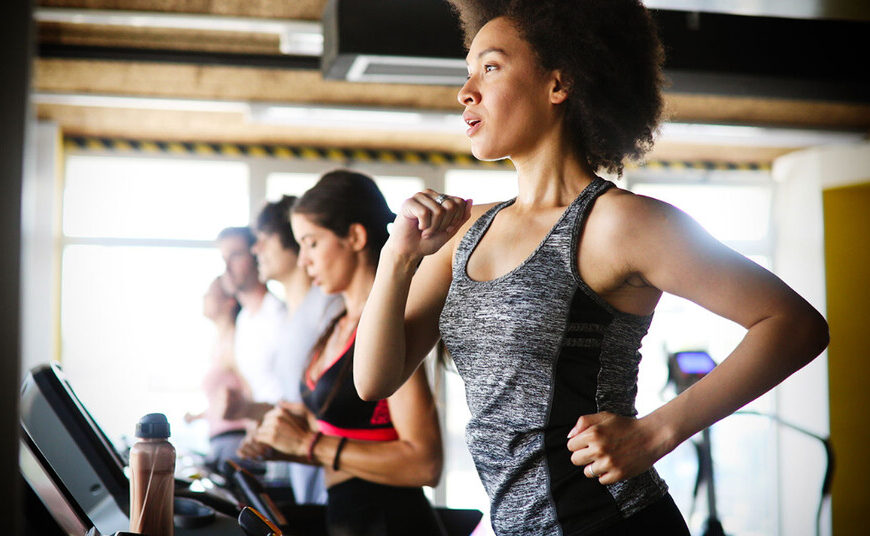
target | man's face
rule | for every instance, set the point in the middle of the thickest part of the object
(241, 268)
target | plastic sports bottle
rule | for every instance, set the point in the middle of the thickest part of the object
(152, 478)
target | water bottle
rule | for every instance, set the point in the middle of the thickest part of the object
(152, 478)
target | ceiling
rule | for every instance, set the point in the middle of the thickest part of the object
(245, 71)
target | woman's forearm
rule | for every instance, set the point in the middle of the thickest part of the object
(380, 364)
(771, 351)
(395, 463)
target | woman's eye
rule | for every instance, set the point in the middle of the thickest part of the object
(489, 68)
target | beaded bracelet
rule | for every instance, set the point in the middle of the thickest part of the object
(311, 445)
(338, 453)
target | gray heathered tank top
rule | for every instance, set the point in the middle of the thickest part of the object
(537, 348)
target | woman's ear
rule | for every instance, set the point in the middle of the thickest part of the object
(357, 237)
(560, 88)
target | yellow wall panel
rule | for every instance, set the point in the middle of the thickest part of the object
(847, 275)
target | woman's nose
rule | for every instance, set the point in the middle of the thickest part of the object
(468, 93)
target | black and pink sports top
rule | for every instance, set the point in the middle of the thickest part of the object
(346, 414)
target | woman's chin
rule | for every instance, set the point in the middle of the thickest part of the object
(486, 155)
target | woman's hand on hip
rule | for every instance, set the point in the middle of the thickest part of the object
(426, 221)
(611, 448)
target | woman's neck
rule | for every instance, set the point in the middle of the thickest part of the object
(550, 175)
(357, 292)
(296, 285)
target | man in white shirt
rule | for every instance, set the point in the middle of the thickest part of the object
(259, 323)
(258, 340)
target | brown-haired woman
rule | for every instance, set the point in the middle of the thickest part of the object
(543, 300)
(378, 454)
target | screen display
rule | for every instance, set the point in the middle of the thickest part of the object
(75, 448)
(695, 362)
(45, 483)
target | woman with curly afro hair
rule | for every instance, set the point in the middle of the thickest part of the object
(543, 300)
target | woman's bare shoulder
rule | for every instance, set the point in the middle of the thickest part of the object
(619, 211)
(623, 224)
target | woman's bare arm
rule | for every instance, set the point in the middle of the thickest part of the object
(671, 252)
(414, 459)
(399, 324)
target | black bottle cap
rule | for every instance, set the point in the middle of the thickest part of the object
(153, 426)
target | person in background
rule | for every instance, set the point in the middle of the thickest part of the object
(257, 348)
(376, 455)
(309, 311)
(543, 300)
(222, 378)
(258, 325)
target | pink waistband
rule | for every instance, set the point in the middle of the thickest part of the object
(365, 434)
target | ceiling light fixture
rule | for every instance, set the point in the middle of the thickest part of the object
(297, 37)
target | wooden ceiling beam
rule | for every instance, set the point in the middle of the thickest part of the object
(308, 87)
(278, 9)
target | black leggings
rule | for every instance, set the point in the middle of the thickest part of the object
(358, 507)
(661, 517)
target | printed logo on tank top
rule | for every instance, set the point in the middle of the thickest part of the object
(381, 414)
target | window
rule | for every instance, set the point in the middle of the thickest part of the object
(153, 198)
(397, 189)
(137, 258)
(481, 186)
(278, 184)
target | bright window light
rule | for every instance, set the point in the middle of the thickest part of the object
(481, 186)
(397, 189)
(279, 184)
(135, 340)
(123, 197)
(728, 212)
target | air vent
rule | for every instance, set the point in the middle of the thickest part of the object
(393, 41)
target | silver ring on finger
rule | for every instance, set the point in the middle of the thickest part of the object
(440, 199)
(591, 470)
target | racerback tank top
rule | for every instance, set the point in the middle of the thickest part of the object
(537, 348)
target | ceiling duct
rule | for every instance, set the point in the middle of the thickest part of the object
(393, 41)
(419, 41)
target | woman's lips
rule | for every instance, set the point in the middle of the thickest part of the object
(473, 126)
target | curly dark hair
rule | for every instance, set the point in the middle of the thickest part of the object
(610, 55)
(274, 218)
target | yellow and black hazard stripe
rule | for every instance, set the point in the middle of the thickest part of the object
(349, 156)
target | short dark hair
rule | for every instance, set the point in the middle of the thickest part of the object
(343, 197)
(611, 57)
(274, 218)
(242, 232)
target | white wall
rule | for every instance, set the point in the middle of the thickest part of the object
(799, 260)
(39, 202)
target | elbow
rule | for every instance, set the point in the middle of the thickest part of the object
(430, 471)
(369, 386)
(368, 391)
(815, 334)
(424, 463)
(821, 335)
